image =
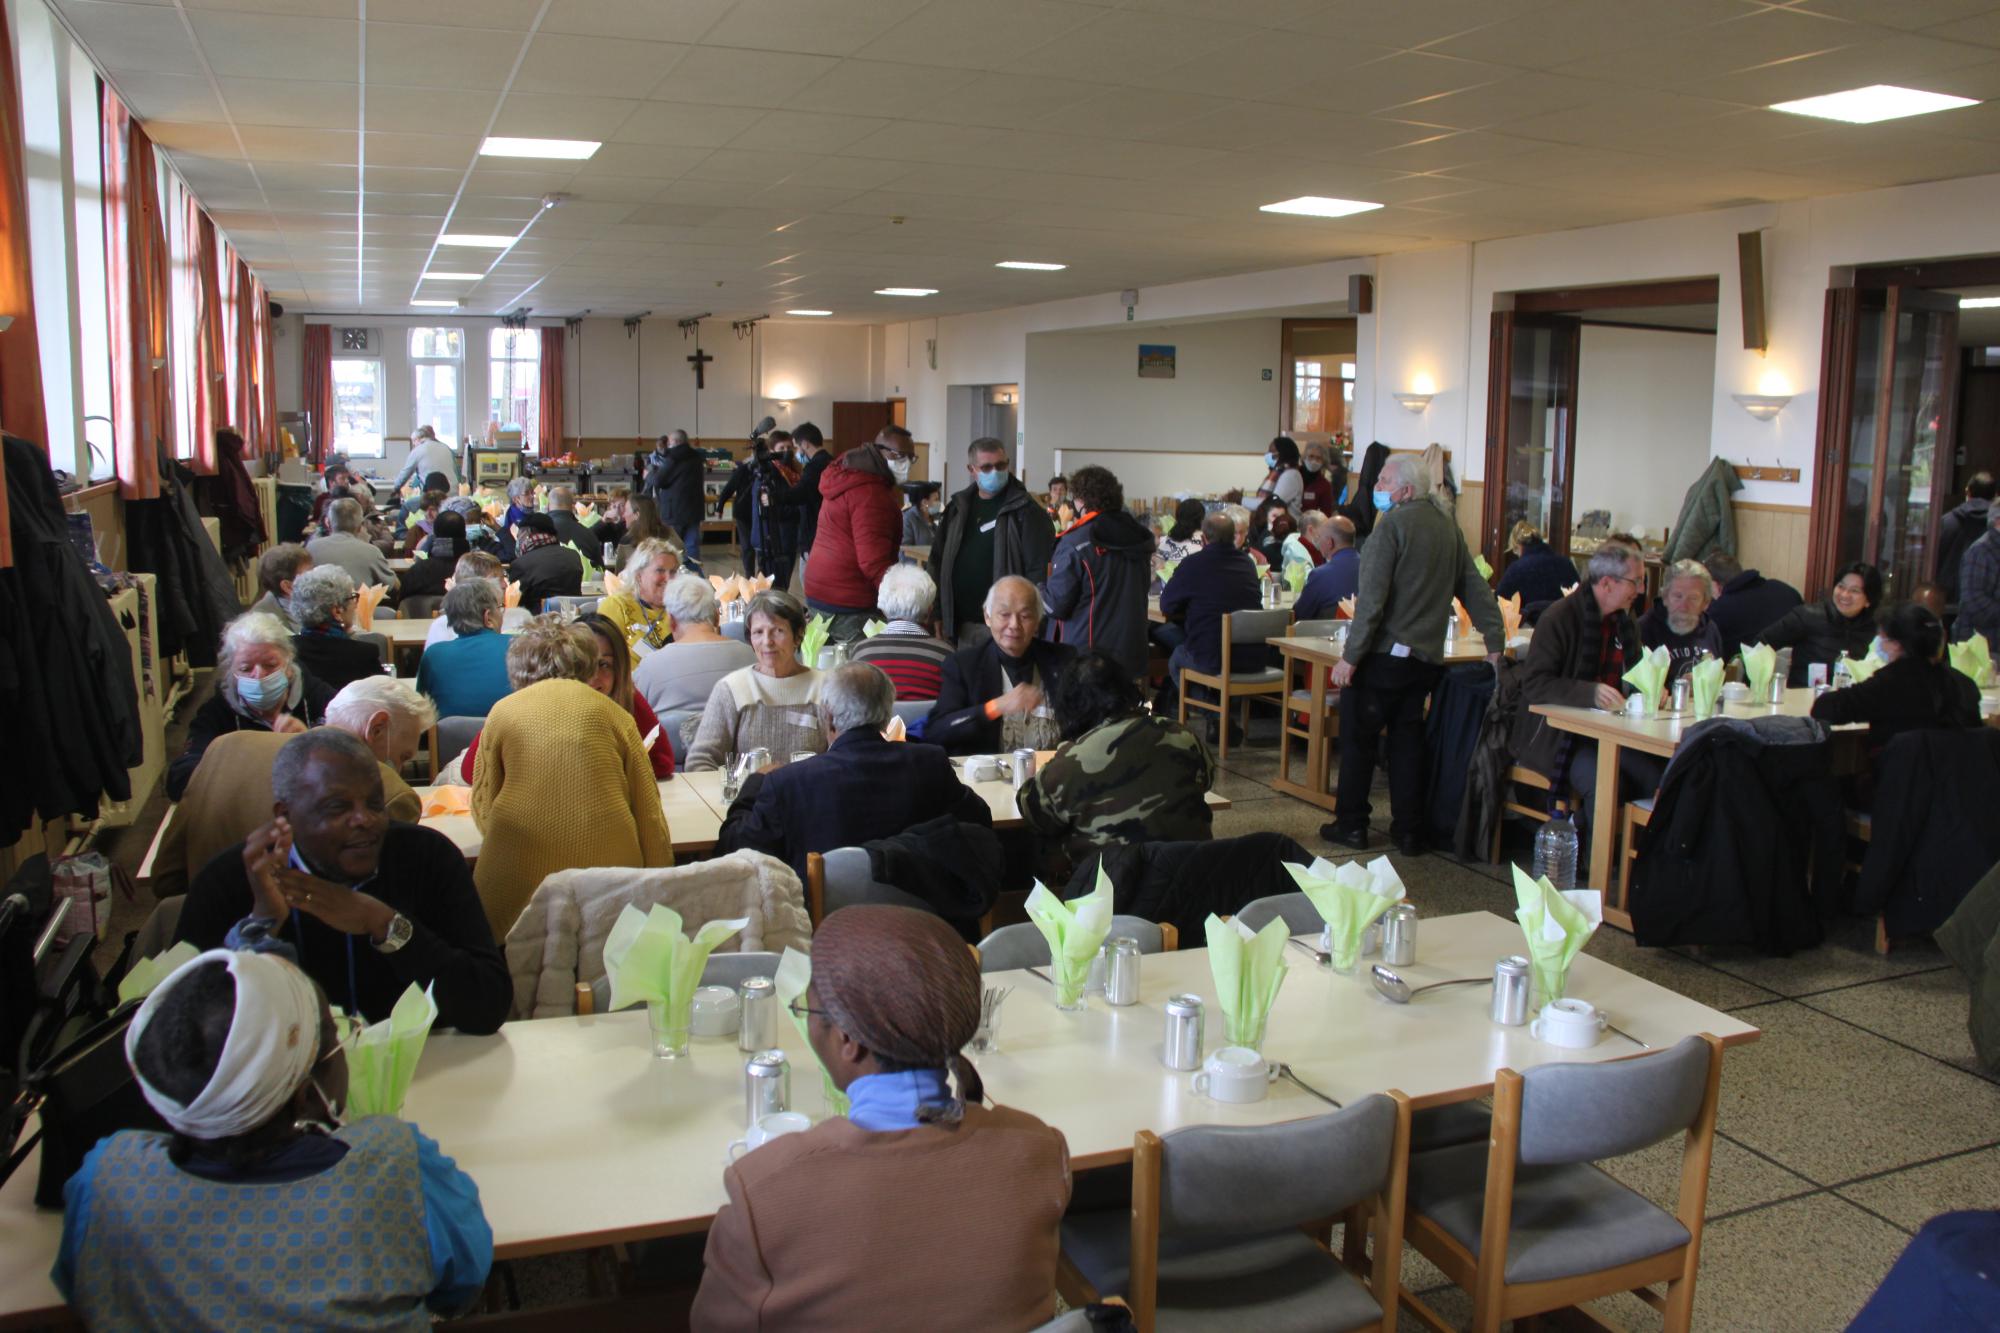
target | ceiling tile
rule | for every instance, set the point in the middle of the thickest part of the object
(274, 144)
(723, 76)
(811, 26)
(1571, 30)
(1012, 101)
(542, 116)
(418, 56)
(1125, 47)
(911, 141)
(147, 39)
(255, 45)
(681, 125)
(1503, 101)
(1137, 113)
(1293, 68)
(1901, 14)
(732, 164)
(806, 132)
(392, 107)
(182, 97)
(595, 66)
(300, 104)
(643, 20)
(977, 34)
(421, 150)
(207, 139)
(1407, 23)
(870, 88)
(1396, 83)
(655, 162)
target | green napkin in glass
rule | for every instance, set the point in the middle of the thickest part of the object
(1349, 897)
(148, 973)
(1295, 575)
(1862, 667)
(817, 630)
(647, 957)
(1167, 571)
(1975, 658)
(793, 976)
(1075, 931)
(382, 1057)
(1556, 924)
(1248, 969)
(1705, 685)
(1485, 570)
(1648, 675)
(873, 627)
(1759, 661)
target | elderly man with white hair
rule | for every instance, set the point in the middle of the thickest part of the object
(230, 792)
(680, 676)
(1679, 621)
(906, 650)
(862, 788)
(993, 698)
(322, 605)
(259, 686)
(1413, 565)
(346, 547)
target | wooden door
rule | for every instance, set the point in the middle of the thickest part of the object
(1530, 427)
(856, 423)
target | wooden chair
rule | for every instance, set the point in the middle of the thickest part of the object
(1526, 1224)
(448, 740)
(1859, 825)
(1635, 816)
(1301, 917)
(842, 877)
(1023, 945)
(1245, 628)
(1229, 1224)
(1298, 705)
(1524, 777)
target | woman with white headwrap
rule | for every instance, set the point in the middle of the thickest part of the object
(260, 1209)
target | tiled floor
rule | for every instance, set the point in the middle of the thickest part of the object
(1857, 1116)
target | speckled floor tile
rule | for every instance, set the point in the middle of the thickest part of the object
(1927, 1010)
(1670, 968)
(1808, 1264)
(1238, 788)
(1845, 958)
(1913, 1197)
(1832, 1102)
(1451, 1303)
(1737, 1177)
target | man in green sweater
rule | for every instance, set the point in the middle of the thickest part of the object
(1412, 566)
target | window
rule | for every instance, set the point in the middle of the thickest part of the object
(516, 379)
(93, 310)
(1314, 405)
(434, 361)
(357, 406)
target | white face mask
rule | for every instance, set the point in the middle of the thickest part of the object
(900, 469)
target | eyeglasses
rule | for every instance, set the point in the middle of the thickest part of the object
(800, 1009)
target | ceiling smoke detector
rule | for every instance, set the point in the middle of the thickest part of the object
(554, 199)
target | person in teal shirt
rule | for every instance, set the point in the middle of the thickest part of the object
(467, 675)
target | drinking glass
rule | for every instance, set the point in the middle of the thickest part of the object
(670, 1029)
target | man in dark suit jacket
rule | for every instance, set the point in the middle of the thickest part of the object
(803, 494)
(863, 788)
(1004, 679)
(562, 513)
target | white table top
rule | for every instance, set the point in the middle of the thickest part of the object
(1459, 651)
(577, 1136)
(692, 821)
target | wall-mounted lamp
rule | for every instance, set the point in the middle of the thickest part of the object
(1763, 406)
(785, 393)
(1415, 402)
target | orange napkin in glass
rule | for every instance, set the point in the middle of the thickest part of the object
(613, 585)
(1570, 588)
(447, 801)
(895, 731)
(371, 597)
(719, 582)
(1510, 614)
(1347, 607)
(512, 597)
(1464, 617)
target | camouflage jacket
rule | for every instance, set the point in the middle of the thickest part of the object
(1138, 779)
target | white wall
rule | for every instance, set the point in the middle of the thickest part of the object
(1642, 422)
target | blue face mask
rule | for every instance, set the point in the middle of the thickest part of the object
(991, 483)
(1383, 501)
(478, 532)
(262, 694)
(1270, 460)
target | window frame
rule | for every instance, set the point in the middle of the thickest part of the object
(501, 368)
(421, 362)
(343, 444)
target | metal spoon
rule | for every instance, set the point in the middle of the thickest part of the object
(1285, 1072)
(1320, 956)
(1392, 987)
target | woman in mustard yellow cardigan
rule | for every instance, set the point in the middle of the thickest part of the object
(562, 779)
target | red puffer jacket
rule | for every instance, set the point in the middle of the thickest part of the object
(860, 532)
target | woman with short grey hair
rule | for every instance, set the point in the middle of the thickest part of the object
(770, 704)
(321, 596)
(322, 602)
(680, 677)
(466, 674)
(260, 686)
(906, 650)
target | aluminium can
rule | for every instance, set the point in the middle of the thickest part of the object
(1121, 970)
(758, 1030)
(767, 1086)
(1399, 935)
(1182, 1047)
(1510, 991)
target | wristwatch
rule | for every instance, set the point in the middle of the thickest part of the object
(398, 934)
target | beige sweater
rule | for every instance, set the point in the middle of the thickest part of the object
(749, 709)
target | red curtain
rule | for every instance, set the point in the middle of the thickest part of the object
(136, 264)
(235, 386)
(211, 354)
(263, 391)
(318, 388)
(549, 415)
(21, 409)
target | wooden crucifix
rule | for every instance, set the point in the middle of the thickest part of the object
(700, 361)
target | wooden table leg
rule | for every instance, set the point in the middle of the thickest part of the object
(1287, 662)
(1604, 817)
(1316, 761)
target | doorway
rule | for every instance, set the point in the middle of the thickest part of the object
(1317, 406)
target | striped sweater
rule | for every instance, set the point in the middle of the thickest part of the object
(912, 659)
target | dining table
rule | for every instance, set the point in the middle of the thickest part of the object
(578, 1137)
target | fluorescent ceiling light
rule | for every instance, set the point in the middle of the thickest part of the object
(442, 305)
(1964, 302)
(810, 314)
(453, 277)
(1319, 206)
(478, 239)
(1031, 265)
(573, 149)
(906, 291)
(1880, 101)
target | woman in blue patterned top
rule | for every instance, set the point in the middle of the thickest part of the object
(261, 1210)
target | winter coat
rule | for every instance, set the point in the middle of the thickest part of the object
(804, 495)
(1022, 543)
(1957, 531)
(1746, 808)
(1971, 939)
(958, 867)
(1181, 883)
(774, 527)
(1096, 590)
(1909, 694)
(1452, 731)
(860, 532)
(1486, 767)
(1979, 591)
(1539, 574)
(547, 571)
(1562, 669)
(1933, 831)
(1817, 633)
(223, 714)
(196, 592)
(958, 720)
(1708, 516)
(673, 479)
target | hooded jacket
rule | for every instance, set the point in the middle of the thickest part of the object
(1096, 588)
(1957, 531)
(1562, 669)
(1022, 543)
(860, 532)
(673, 478)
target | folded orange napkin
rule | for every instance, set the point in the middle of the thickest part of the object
(513, 594)
(1347, 607)
(447, 801)
(719, 581)
(613, 585)
(371, 597)
(1510, 614)
(1464, 617)
(895, 731)
(1568, 589)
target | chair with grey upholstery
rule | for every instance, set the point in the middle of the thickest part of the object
(1022, 944)
(1215, 1236)
(721, 969)
(423, 606)
(1301, 917)
(157, 934)
(738, 630)
(913, 711)
(379, 642)
(1240, 629)
(449, 738)
(1562, 1232)
(567, 605)
(844, 877)
(676, 723)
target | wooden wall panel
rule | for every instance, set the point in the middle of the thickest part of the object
(1471, 507)
(1772, 538)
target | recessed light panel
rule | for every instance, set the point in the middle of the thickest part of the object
(573, 149)
(1978, 302)
(453, 277)
(810, 314)
(906, 291)
(1879, 101)
(440, 305)
(1319, 206)
(476, 240)
(1034, 266)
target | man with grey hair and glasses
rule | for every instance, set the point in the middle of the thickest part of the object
(862, 788)
(1412, 566)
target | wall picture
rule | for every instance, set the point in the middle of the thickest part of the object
(1156, 361)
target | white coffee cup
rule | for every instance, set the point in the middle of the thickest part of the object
(981, 768)
(1735, 692)
(775, 1125)
(1816, 674)
(1234, 1074)
(715, 1012)
(1568, 1022)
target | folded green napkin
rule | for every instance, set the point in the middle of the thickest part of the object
(873, 627)
(382, 1057)
(1975, 658)
(1705, 685)
(648, 958)
(817, 630)
(150, 972)
(1248, 970)
(793, 976)
(1862, 667)
(1556, 924)
(1167, 571)
(1349, 897)
(1485, 570)
(1075, 931)
(1295, 576)
(1648, 675)
(1759, 661)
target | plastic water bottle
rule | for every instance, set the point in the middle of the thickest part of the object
(1555, 850)
(1843, 676)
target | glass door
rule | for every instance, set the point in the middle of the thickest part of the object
(1530, 427)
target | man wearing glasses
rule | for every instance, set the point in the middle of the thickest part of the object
(991, 529)
(1582, 648)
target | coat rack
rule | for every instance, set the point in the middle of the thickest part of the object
(1759, 472)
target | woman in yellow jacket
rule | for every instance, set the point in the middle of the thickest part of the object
(562, 780)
